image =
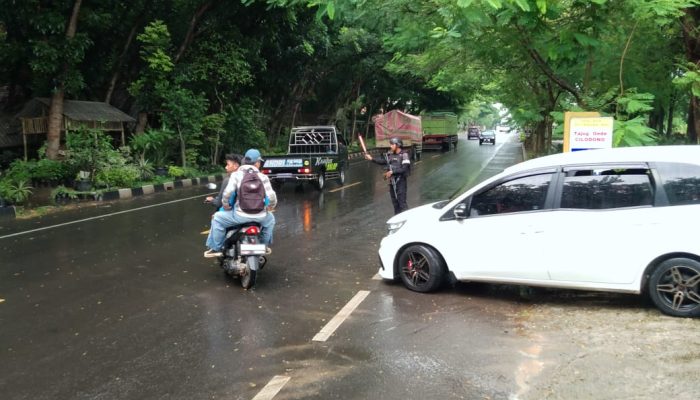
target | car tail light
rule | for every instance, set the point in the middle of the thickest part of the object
(304, 170)
(266, 171)
(253, 230)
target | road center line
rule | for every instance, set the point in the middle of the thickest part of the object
(344, 187)
(272, 388)
(101, 216)
(342, 315)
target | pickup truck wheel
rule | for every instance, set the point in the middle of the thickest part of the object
(321, 181)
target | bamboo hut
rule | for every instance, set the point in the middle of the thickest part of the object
(34, 118)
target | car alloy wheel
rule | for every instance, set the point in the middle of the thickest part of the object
(674, 287)
(421, 268)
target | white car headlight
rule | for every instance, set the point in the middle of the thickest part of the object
(392, 227)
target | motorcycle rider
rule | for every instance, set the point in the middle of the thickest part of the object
(233, 162)
(399, 164)
(234, 215)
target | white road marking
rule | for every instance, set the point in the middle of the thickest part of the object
(344, 187)
(102, 216)
(418, 162)
(436, 155)
(272, 388)
(377, 277)
(342, 315)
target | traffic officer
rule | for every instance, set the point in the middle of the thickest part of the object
(399, 167)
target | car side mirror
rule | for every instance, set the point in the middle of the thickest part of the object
(460, 211)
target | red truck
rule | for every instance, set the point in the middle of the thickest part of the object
(399, 124)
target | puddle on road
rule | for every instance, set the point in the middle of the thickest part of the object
(529, 368)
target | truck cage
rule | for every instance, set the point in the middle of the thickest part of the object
(313, 140)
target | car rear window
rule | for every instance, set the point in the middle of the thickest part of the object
(605, 188)
(681, 182)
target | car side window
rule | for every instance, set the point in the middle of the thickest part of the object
(605, 188)
(521, 194)
(681, 182)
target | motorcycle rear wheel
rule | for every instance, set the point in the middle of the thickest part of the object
(250, 273)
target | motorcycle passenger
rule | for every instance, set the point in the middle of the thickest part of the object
(399, 164)
(233, 162)
(241, 213)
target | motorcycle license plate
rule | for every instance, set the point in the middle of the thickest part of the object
(247, 249)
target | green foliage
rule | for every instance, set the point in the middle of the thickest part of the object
(118, 177)
(88, 150)
(153, 81)
(153, 145)
(145, 168)
(185, 113)
(17, 191)
(176, 172)
(690, 79)
(633, 103)
(61, 193)
(20, 170)
(632, 133)
(50, 170)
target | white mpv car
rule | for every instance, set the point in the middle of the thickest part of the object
(622, 220)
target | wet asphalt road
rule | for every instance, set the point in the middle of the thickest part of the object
(125, 307)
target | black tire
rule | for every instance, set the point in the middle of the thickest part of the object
(454, 146)
(321, 181)
(248, 277)
(341, 174)
(674, 287)
(421, 268)
(481, 142)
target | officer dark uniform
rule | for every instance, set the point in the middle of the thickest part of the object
(399, 163)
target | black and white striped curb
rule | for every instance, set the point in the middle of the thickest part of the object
(118, 194)
(160, 187)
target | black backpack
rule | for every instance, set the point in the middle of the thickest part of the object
(251, 193)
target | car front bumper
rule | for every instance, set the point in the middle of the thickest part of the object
(387, 254)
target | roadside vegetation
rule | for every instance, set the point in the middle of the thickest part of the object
(204, 78)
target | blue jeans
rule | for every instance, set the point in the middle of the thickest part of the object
(226, 219)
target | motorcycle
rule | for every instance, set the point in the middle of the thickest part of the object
(243, 252)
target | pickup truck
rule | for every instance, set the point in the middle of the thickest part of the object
(315, 154)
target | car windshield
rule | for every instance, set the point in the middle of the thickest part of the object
(441, 204)
(487, 133)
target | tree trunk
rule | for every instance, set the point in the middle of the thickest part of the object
(120, 62)
(183, 149)
(369, 119)
(691, 38)
(189, 36)
(693, 120)
(671, 107)
(53, 136)
(141, 122)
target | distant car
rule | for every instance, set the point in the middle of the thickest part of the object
(472, 133)
(487, 136)
(610, 220)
